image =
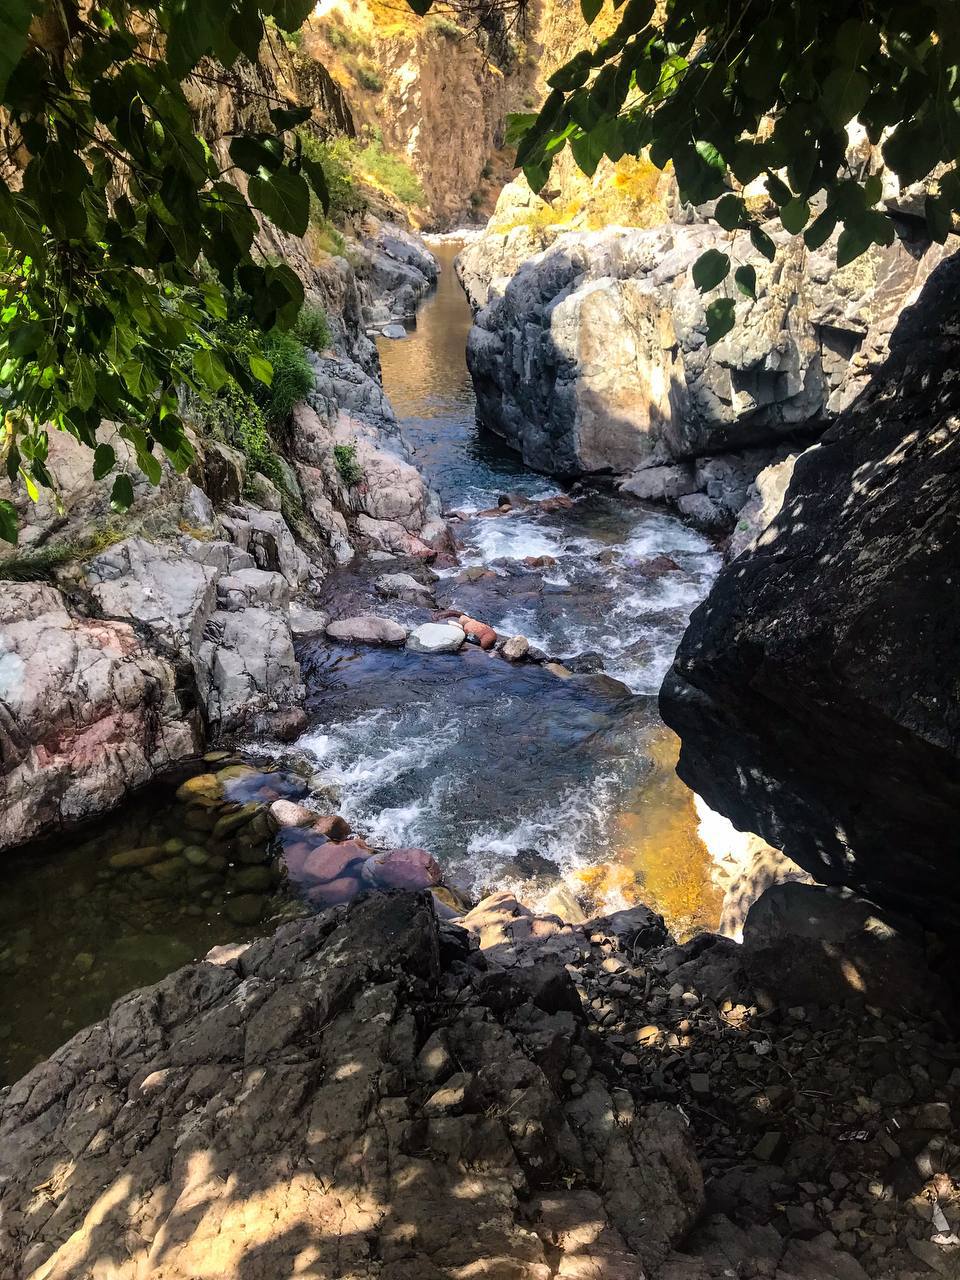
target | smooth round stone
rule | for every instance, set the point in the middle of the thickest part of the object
(245, 908)
(167, 870)
(206, 785)
(436, 637)
(332, 861)
(252, 853)
(142, 857)
(173, 845)
(402, 869)
(336, 891)
(367, 628)
(200, 819)
(196, 855)
(253, 879)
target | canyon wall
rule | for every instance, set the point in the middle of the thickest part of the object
(815, 690)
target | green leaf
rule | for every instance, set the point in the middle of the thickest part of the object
(939, 218)
(778, 190)
(421, 7)
(25, 339)
(590, 9)
(290, 116)
(588, 152)
(317, 178)
(261, 369)
(84, 383)
(209, 369)
(721, 317)
(149, 465)
(856, 41)
(853, 242)
(710, 269)
(15, 16)
(255, 151)
(104, 460)
(32, 491)
(795, 215)
(537, 175)
(8, 521)
(121, 495)
(709, 154)
(284, 198)
(820, 230)
(518, 125)
(290, 15)
(746, 281)
(844, 94)
(762, 243)
(873, 188)
(729, 212)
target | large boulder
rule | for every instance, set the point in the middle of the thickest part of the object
(593, 356)
(815, 690)
(87, 712)
(246, 667)
(158, 587)
(341, 1096)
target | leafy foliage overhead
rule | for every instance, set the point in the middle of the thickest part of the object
(765, 89)
(120, 231)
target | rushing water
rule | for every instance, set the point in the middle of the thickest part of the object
(483, 762)
(509, 774)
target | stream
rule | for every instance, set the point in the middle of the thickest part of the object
(508, 772)
(511, 775)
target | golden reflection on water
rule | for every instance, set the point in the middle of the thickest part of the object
(659, 860)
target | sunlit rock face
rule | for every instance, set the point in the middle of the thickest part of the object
(589, 351)
(815, 691)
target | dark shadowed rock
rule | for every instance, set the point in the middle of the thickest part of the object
(316, 1096)
(809, 944)
(815, 691)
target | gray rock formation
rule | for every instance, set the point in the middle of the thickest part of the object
(436, 637)
(367, 628)
(396, 270)
(87, 711)
(591, 355)
(190, 599)
(327, 1094)
(814, 691)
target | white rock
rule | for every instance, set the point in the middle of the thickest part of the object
(436, 637)
(305, 622)
(367, 628)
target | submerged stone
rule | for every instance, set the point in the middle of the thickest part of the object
(245, 908)
(142, 857)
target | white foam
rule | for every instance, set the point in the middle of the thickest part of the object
(663, 535)
(512, 538)
(577, 819)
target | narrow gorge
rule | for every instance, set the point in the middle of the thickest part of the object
(482, 807)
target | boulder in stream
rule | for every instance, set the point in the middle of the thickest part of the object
(436, 637)
(367, 628)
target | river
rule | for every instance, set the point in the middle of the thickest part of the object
(484, 762)
(511, 775)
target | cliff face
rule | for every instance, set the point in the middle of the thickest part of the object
(436, 93)
(815, 691)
